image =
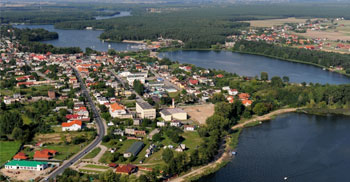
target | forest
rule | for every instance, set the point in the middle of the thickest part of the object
(288, 53)
(199, 27)
(50, 14)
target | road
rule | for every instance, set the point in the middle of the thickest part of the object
(166, 81)
(97, 141)
(120, 80)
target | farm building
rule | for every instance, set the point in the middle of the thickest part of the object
(26, 165)
(134, 149)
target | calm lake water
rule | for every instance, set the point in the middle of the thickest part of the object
(251, 65)
(121, 14)
(81, 38)
(302, 147)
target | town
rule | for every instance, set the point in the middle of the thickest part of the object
(148, 105)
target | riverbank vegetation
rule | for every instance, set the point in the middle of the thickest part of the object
(321, 58)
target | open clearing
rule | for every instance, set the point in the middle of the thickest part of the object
(8, 150)
(200, 113)
(272, 22)
(24, 175)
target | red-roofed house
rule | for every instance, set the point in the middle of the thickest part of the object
(243, 96)
(44, 154)
(72, 126)
(20, 156)
(193, 82)
(116, 110)
(247, 102)
(126, 169)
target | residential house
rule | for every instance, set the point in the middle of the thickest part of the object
(117, 110)
(72, 126)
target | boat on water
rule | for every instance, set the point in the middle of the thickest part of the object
(234, 153)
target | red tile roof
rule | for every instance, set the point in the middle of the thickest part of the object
(78, 122)
(20, 155)
(126, 169)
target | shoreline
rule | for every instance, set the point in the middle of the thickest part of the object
(257, 54)
(225, 157)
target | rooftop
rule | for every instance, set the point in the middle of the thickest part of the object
(144, 105)
(25, 163)
(135, 148)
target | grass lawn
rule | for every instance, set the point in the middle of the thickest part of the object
(86, 170)
(64, 151)
(93, 153)
(192, 140)
(96, 166)
(26, 119)
(7, 150)
(126, 145)
(174, 94)
(105, 157)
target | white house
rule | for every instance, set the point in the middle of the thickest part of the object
(72, 126)
(160, 124)
(189, 128)
(116, 110)
(102, 100)
(233, 92)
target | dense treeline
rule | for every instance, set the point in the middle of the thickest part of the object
(198, 29)
(28, 40)
(27, 34)
(310, 56)
(50, 14)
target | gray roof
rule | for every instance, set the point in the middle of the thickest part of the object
(135, 148)
(172, 111)
(144, 105)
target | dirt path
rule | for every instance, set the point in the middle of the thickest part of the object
(264, 117)
(100, 154)
(226, 153)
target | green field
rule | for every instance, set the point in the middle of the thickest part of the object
(64, 151)
(89, 171)
(8, 150)
(192, 140)
(96, 166)
(93, 153)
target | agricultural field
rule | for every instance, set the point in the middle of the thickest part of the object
(8, 150)
(272, 22)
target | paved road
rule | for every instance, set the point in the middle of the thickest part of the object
(120, 80)
(100, 131)
(166, 81)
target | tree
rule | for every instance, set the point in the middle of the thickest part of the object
(285, 79)
(112, 52)
(138, 87)
(276, 81)
(17, 133)
(264, 76)
(261, 108)
(109, 176)
(167, 155)
(217, 98)
(132, 96)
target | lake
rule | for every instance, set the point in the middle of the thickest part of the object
(242, 64)
(121, 14)
(81, 38)
(252, 65)
(300, 146)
